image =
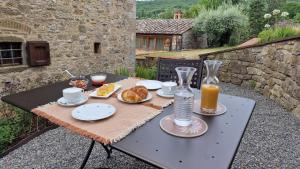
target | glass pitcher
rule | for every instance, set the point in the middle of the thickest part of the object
(184, 97)
(209, 88)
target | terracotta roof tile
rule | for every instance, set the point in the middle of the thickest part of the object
(163, 26)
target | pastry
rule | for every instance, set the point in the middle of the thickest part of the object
(135, 94)
(105, 89)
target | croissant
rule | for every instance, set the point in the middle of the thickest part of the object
(135, 95)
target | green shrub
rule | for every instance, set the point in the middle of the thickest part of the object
(274, 4)
(146, 73)
(225, 25)
(292, 8)
(12, 127)
(277, 33)
(297, 18)
(122, 71)
(256, 19)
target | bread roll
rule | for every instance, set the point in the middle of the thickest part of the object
(135, 95)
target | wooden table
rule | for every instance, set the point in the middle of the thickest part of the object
(214, 150)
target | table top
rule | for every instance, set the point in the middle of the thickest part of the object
(214, 149)
(30, 99)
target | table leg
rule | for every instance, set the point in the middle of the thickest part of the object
(87, 154)
(108, 149)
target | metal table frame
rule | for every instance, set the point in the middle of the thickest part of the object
(157, 153)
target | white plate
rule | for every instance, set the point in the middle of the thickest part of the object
(150, 84)
(93, 111)
(149, 97)
(94, 93)
(63, 102)
(161, 93)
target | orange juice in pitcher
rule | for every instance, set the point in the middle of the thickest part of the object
(210, 89)
(209, 97)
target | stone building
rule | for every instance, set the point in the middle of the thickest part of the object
(167, 34)
(83, 36)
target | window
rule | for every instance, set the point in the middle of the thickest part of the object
(97, 48)
(10, 53)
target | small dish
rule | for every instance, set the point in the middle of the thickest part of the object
(160, 93)
(94, 93)
(98, 79)
(63, 102)
(79, 82)
(93, 111)
(119, 97)
(150, 84)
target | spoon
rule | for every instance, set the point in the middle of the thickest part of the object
(69, 73)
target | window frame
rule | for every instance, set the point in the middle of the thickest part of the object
(12, 59)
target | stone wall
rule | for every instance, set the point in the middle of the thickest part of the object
(271, 69)
(71, 28)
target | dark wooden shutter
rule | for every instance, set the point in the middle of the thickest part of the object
(38, 53)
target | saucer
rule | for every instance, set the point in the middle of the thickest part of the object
(63, 102)
(150, 84)
(161, 93)
(197, 128)
(221, 109)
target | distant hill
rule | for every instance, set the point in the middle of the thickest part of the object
(161, 8)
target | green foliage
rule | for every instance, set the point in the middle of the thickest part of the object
(12, 127)
(161, 8)
(193, 11)
(167, 14)
(256, 19)
(277, 33)
(146, 73)
(225, 25)
(292, 8)
(252, 84)
(211, 4)
(274, 4)
(122, 71)
(297, 18)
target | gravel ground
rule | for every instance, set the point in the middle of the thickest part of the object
(271, 140)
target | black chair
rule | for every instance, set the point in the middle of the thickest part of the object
(166, 69)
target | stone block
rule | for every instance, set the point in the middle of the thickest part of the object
(296, 48)
(254, 71)
(291, 88)
(229, 56)
(276, 91)
(235, 79)
(225, 77)
(291, 100)
(246, 56)
(237, 67)
(296, 111)
(266, 91)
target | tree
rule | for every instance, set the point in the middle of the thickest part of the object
(193, 11)
(211, 4)
(225, 25)
(256, 19)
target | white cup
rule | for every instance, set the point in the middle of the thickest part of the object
(73, 95)
(169, 88)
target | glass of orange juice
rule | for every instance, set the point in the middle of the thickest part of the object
(210, 89)
(209, 97)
